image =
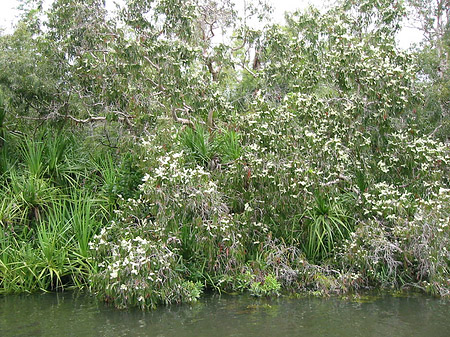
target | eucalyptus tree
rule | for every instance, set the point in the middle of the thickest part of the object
(79, 62)
(432, 18)
(26, 80)
(346, 55)
(52, 64)
(187, 48)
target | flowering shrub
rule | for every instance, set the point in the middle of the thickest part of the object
(138, 270)
(320, 182)
(426, 242)
(411, 250)
(387, 203)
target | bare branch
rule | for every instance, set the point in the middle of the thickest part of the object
(244, 41)
(126, 118)
(251, 72)
(152, 64)
(183, 121)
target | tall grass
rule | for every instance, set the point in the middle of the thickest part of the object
(51, 206)
(106, 174)
(62, 168)
(32, 194)
(16, 267)
(32, 152)
(203, 146)
(54, 242)
(9, 211)
(2, 120)
(196, 141)
(327, 223)
(55, 252)
(83, 220)
(229, 145)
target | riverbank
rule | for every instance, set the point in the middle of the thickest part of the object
(147, 164)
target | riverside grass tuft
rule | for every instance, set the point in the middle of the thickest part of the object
(52, 206)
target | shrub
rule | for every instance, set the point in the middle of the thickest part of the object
(268, 287)
(137, 267)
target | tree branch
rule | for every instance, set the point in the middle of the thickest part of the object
(183, 121)
(251, 72)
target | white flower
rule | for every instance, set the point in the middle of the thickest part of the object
(382, 166)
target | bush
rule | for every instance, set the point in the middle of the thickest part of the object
(268, 287)
(137, 267)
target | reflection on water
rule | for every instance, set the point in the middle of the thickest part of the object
(72, 314)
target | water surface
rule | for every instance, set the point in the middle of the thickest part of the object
(72, 314)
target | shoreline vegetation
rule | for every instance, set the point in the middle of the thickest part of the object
(146, 162)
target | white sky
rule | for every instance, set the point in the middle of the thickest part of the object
(8, 14)
(8, 9)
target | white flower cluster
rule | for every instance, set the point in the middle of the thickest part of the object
(388, 202)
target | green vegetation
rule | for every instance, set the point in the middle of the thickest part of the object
(305, 157)
(52, 205)
(268, 287)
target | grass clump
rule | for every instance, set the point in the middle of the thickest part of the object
(327, 224)
(52, 206)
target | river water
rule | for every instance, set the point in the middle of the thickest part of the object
(72, 314)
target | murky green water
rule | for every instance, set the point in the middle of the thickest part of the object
(72, 314)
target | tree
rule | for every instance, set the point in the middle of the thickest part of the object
(433, 56)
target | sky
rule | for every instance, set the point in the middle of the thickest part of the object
(8, 9)
(9, 12)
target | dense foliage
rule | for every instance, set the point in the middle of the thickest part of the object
(310, 156)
